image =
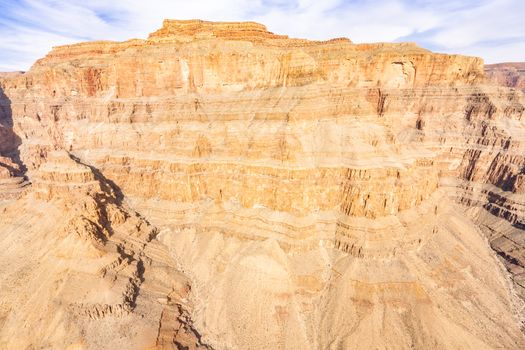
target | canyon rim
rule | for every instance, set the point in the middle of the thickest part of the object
(218, 186)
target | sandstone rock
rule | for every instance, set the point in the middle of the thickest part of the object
(220, 186)
(507, 74)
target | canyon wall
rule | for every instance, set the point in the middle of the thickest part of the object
(507, 74)
(220, 186)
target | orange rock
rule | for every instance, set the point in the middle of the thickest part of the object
(220, 186)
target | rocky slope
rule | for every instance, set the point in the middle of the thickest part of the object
(507, 74)
(219, 186)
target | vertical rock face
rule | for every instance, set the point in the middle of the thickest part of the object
(507, 74)
(12, 180)
(220, 186)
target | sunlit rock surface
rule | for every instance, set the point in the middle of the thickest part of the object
(220, 186)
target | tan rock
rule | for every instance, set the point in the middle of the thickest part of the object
(220, 186)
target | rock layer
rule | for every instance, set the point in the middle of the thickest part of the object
(225, 187)
(507, 74)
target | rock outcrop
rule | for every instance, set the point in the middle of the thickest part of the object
(507, 74)
(220, 186)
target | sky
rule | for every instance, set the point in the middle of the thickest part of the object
(491, 29)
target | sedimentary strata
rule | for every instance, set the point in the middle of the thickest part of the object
(507, 74)
(220, 186)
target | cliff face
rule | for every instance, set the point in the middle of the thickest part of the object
(220, 186)
(507, 74)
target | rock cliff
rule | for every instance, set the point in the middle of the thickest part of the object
(220, 186)
(507, 74)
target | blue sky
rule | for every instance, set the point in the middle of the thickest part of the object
(492, 29)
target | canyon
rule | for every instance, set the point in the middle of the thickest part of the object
(218, 186)
(510, 74)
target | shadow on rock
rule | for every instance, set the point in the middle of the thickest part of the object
(9, 140)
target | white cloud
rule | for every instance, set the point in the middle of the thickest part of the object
(493, 29)
(493, 21)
